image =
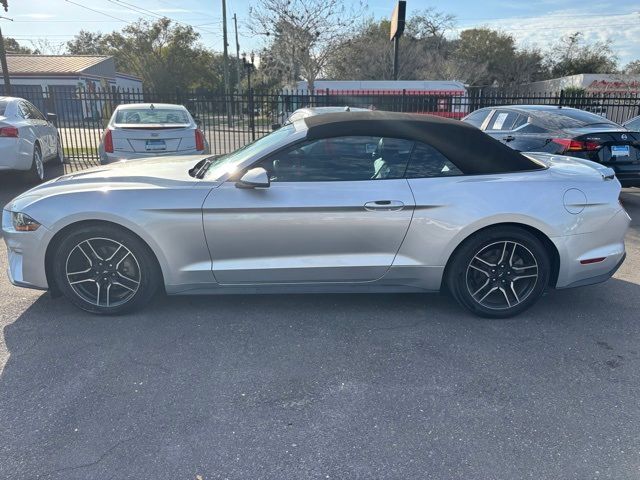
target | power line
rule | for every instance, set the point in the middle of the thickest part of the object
(97, 11)
(556, 27)
(552, 16)
(134, 8)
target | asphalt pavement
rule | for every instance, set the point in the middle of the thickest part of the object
(323, 386)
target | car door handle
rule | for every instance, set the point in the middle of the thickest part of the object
(385, 205)
(509, 138)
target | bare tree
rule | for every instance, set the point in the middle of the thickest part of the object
(301, 34)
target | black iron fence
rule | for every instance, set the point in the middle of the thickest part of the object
(230, 121)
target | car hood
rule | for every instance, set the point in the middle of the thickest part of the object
(156, 172)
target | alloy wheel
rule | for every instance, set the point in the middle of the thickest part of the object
(502, 275)
(37, 159)
(103, 272)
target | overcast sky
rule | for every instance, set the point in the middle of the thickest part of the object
(532, 23)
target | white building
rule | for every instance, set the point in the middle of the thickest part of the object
(600, 83)
(90, 72)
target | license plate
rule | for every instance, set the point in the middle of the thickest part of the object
(620, 150)
(155, 145)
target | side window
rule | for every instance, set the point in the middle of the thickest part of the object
(23, 110)
(340, 159)
(520, 121)
(34, 112)
(478, 117)
(427, 162)
(502, 120)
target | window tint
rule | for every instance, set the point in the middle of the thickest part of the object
(34, 113)
(428, 162)
(23, 110)
(340, 159)
(520, 121)
(477, 118)
(152, 116)
(502, 120)
(568, 118)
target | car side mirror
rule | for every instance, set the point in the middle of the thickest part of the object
(52, 118)
(254, 178)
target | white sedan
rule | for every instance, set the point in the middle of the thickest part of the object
(27, 138)
(143, 130)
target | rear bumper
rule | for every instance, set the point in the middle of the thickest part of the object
(607, 243)
(598, 278)
(11, 158)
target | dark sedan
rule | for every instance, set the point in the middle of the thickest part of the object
(566, 131)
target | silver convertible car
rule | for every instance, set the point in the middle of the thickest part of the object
(344, 202)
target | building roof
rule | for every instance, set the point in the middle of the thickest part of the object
(470, 149)
(53, 64)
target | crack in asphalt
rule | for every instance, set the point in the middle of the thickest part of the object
(89, 464)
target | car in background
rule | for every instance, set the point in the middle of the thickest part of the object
(564, 131)
(633, 124)
(28, 139)
(142, 130)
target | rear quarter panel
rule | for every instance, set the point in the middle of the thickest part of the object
(449, 210)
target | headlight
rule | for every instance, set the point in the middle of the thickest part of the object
(23, 222)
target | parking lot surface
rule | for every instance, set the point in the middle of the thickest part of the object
(324, 386)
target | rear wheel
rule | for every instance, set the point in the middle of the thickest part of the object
(499, 272)
(36, 173)
(105, 270)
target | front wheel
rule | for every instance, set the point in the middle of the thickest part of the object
(36, 173)
(499, 272)
(105, 270)
(59, 151)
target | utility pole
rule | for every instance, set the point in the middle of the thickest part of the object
(3, 62)
(225, 61)
(235, 23)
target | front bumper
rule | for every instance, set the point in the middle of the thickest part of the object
(26, 251)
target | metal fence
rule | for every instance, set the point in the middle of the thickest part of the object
(231, 121)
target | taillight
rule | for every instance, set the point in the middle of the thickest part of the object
(9, 132)
(571, 145)
(108, 141)
(199, 140)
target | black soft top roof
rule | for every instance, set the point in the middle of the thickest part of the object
(471, 150)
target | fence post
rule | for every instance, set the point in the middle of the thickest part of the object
(561, 99)
(402, 100)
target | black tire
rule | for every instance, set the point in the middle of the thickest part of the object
(36, 173)
(122, 285)
(501, 261)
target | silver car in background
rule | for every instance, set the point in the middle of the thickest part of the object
(143, 130)
(342, 202)
(28, 139)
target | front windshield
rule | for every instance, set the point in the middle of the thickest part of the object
(229, 163)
